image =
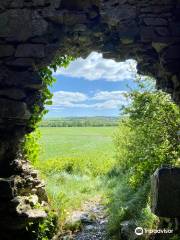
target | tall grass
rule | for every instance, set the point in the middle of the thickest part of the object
(74, 172)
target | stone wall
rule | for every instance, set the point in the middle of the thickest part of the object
(33, 32)
(23, 200)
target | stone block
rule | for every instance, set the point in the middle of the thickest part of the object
(6, 190)
(155, 21)
(147, 34)
(13, 109)
(162, 31)
(21, 62)
(16, 21)
(6, 50)
(21, 24)
(175, 29)
(16, 4)
(30, 50)
(39, 25)
(117, 15)
(171, 52)
(75, 4)
(69, 18)
(23, 79)
(13, 93)
(165, 187)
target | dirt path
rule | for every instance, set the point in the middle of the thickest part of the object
(93, 221)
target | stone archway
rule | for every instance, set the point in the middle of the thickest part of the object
(32, 32)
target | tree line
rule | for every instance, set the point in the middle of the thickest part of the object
(80, 122)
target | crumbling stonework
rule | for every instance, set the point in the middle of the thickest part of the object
(33, 32)
(23, 200)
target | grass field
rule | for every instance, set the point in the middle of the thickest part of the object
(73, 162)
(76, 141)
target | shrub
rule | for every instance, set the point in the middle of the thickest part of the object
(145, 140)
(31, 147)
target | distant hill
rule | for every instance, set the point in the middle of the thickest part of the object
(80, 122)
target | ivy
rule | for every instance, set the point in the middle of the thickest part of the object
(30, 147)
(45, 98)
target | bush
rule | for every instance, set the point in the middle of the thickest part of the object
(45, 229)
(80, 165)
(145, 140)
(31, 147)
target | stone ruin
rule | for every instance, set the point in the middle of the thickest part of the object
(33, 32)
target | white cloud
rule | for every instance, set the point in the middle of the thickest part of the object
(113, 95)
(67, 99)
(110, 104)
(95, 67)
(101, 100)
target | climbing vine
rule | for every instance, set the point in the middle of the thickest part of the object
(30, 147)
(46, 74)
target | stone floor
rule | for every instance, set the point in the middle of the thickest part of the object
(93, 220)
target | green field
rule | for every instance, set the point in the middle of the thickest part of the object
(76, 141)
(73, 162)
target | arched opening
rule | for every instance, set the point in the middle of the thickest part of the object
(145, 31)
(77, 139)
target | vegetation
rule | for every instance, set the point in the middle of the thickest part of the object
(145, 140)
(30, 148)
(46, 74)
(77, 162)
(45, 229)
(87, 142)
(74, 164)
(80, 122)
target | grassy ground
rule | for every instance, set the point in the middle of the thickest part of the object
(75, 141)
(74, 162)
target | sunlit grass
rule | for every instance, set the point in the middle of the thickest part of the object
(67, 192)
(76, 141)
(73, 164)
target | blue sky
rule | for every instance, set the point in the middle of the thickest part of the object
(91, 87)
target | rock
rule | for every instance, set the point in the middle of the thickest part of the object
(165, 192)
(92, 14)
(128, 230)
(21, 62)
(16, 4)
(35, 214)
(162, 31)
(175, 81)
(175, 28)
(13, 109)
(41, 193)
(127, 41)
(39, 25)
(11, 23)
(155, 21)
(116, 15)
(6, 50)
(26, 79)
(75, 4)
(89, 227)
(6, 189)
(172, 52)
(147, 34)
(30, 50)
(13, 93)
(159, 46)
